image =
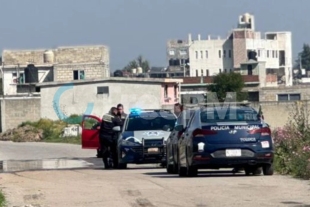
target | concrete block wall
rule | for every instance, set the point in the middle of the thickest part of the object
(82, 54)
(18, 110)
(270, 94)
(22, 57)
(92, 71)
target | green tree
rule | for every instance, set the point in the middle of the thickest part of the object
(304, 58)
(224, 83)
(139, 62)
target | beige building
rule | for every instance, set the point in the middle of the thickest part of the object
(60, 64)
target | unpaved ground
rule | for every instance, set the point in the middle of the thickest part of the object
(149, 187)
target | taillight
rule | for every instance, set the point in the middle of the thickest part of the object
(203, 132)
(265, 131)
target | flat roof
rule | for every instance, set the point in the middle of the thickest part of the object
(111, 79)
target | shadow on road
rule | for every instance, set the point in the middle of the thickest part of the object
(200, 174)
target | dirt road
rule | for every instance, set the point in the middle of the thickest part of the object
(141, 186)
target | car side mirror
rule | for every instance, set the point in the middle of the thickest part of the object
(179, 128)
(116, 128)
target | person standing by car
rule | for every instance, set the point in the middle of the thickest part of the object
(178, 108)
(107, 135)
(121, 113)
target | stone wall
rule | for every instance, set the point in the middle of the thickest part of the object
(14, 111)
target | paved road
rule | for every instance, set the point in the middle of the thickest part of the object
(141, 186)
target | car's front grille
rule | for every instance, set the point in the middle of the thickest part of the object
(153, 143)
(138, 150)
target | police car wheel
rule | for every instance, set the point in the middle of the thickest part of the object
(181, 170)
(268, 169)
(169, 169)
(122, 165)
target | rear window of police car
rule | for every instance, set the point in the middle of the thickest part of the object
(227, 115)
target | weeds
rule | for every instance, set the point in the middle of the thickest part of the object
(292, 143)
(2, 200)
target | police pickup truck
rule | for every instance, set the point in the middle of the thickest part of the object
(143, 137)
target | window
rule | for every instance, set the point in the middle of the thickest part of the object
(227, 115)
(267, 53)
(151, 121)
(171, 52)
(206, 53)
(224, 53)
(201, 54)
(276, 54)
(220, 70)
(21, 78)
(175, 91)
(78, 75)
(166, 91)
(196, 73)
(288, 97)
(229, 53)
(183, 52)
(258, 53)
(201, 72)
(14, 75)
(273, 54)
(220, 54)
(207, 72)
(196, 54)
(103, 90)
(225, 71)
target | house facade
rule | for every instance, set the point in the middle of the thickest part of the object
(22, 69)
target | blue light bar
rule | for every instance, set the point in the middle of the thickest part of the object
(135, 111)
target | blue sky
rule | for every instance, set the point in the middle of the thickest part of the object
(134, 27)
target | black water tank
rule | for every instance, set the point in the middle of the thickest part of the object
(31, 74)
(118, 73)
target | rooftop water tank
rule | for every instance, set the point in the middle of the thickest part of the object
(134, 70)
(246, 17)
(48, 56)
(139, 70)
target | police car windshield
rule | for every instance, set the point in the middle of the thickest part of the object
(149, 122)
(228, 115)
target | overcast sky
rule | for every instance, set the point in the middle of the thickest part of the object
(134, 27)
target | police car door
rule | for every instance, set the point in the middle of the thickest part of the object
(90, 132)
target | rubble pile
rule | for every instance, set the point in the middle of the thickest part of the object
(25, 133)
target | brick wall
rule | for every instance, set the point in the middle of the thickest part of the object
(15, 111)
(66, 55)
(22, 57)
(63, 55)
(92, 71)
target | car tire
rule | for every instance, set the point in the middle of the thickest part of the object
(122, 166)
(182, 171)
(268, 169)
(191, 171)
(257, 171)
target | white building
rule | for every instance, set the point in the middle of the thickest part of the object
(273, 61)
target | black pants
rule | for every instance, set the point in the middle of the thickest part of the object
(108, 147)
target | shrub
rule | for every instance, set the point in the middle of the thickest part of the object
(292, 143)
(2, 200)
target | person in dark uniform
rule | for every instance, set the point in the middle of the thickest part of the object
(121, 113)
(107, 136)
